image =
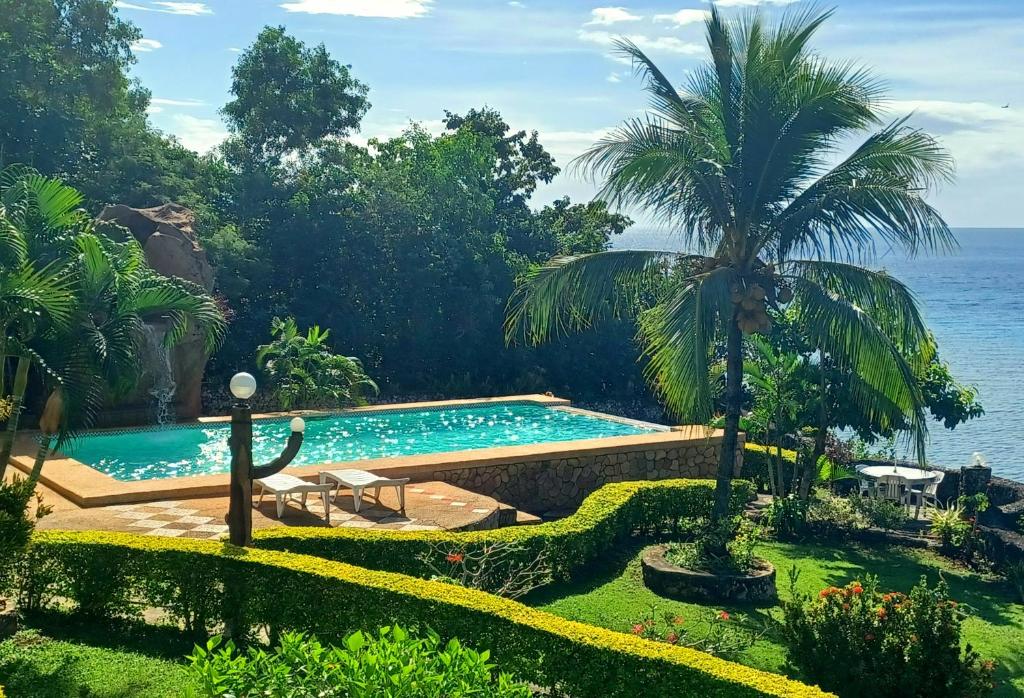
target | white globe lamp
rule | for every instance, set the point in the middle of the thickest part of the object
(298, 425)
(242, 385)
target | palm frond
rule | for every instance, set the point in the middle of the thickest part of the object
(569, 294)
(677, 337)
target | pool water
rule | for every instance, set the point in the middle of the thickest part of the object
(145, 454)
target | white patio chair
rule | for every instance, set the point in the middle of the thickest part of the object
(929, 492)
(359, 480)
(866, 484)
(284, 486)
(894, 488)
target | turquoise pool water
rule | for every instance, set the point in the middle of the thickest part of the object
(146, 454)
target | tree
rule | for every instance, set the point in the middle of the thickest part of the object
(290, 97)
(305, 372)
(740, 161)
(107, 293)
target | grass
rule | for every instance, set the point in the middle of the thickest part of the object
(614, 596)
(58, 658)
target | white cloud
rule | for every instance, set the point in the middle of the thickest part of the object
(235, 49)
(177, 102)
(394, 9)
(200, 135)
(169, 7)
(515, 3)
(611, 15)
(683, 17)
(613, 77)
(665, 44)
(146, 45)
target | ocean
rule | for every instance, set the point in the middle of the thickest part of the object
(973, 300)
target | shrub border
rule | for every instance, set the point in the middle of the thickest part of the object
(614, 512)
(290, 591)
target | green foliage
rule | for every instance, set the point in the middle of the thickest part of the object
(715, 632)
(273, 589)
(16, 526)
(786, 517)
(304, 372)
(881, 513)
(613, 513)
(1015, 573)
(735, 535)
(857, 641)
(957, 528)
(390, 664)
(289, 97)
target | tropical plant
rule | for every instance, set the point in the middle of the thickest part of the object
(365, 665)
(741, 162)
(106, 293)
(715, 632)
(889, 644)
(304, 371)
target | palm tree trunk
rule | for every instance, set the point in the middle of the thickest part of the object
(811, 468)
(17, 397)
(733, 404)
(37, 466)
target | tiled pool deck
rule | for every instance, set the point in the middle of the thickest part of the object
(429, 505)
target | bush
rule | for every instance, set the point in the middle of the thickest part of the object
(829, 516)
(735, 535)
(255, 589)
(755, 465)
(614, 512)
(715, 632)
(786, 516)
(881, 513)
(857, 642)
(16, 526)
(392, 664)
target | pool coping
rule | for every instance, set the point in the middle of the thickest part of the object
(88, 487)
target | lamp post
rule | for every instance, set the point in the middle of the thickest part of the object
(243, 472)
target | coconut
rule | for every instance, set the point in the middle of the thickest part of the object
(785, 294)
(757, 292)
(751, 304)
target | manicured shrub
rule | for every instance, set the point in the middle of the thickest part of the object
(284, 592)
(390, 664)
(15, 526)
(755, 465)
(609, 515)
(857, 642)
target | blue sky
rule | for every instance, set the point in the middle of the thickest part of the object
(546, 66)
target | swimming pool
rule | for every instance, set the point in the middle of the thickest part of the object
(148, 454)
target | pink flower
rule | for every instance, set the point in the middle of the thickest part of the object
(723, 615)
(638, 629)
(672, 638)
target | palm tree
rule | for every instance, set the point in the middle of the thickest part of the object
(745, 163)
(93, 352)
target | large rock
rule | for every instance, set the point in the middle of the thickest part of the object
(167, 237)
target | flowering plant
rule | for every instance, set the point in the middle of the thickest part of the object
(714, 632)
(848, 638)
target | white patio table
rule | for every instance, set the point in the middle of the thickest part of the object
(913, 476)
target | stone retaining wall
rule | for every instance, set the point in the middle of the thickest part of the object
(560, 485)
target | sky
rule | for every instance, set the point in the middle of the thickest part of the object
(956, 65)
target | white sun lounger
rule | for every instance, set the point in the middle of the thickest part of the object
(283, 486)
(359, 480)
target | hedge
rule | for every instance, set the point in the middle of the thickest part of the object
(118, 573)
(615, 511)
(755, 464)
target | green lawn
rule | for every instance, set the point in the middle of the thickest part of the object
(614, 596)
(61, 659)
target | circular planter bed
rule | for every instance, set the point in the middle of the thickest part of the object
(666, 579)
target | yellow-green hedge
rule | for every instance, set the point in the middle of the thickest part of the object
(615, 511)
(118, 573)
(755, 464)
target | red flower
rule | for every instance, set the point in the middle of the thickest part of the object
(672, 638)
(858, 589)
(638, 629)
(454, 558)
(678, 620)
(882, 613)
(723, 615)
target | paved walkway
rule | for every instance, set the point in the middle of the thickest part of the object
(429, 505)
